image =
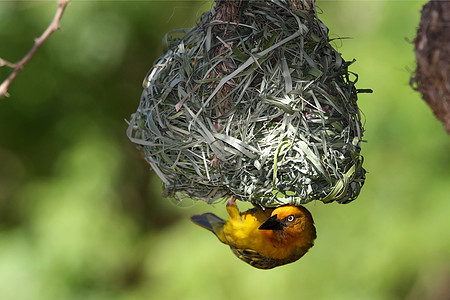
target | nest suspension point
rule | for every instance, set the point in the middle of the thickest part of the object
(252, 102)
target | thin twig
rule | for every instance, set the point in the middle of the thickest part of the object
(7, 63)
(54, 25)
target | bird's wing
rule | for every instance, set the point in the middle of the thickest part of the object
(255, 259)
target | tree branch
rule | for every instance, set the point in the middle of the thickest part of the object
(54, 25)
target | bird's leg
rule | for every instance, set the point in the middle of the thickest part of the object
(232, 208)
(232, 201)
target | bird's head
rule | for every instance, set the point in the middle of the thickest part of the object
(290, 222)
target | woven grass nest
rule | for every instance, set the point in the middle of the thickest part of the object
(253, 103)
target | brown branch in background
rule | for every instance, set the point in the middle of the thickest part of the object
(54, 25)
(7, 63)
(432, 49)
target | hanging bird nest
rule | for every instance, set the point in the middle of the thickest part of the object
(259, 106)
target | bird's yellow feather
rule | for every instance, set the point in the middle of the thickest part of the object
(264, 248)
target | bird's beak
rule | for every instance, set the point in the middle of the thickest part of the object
(272, 224)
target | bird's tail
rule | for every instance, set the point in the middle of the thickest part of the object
(209, 221)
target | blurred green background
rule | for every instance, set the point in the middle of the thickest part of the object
(82, 217)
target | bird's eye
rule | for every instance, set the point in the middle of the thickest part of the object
(290, 218)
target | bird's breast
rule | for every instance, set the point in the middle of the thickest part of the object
(244, 234)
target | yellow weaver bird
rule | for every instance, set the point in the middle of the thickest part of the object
(266, 238)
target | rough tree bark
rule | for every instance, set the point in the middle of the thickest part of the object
(432, 48)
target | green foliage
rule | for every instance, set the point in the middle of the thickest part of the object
(81, 217)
